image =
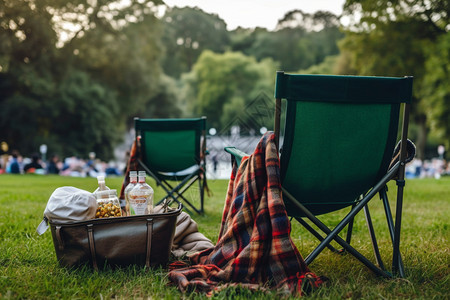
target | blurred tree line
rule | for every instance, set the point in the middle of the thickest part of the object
(74, 75)
(398, 38)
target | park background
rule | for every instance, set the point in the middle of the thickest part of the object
(74, 74)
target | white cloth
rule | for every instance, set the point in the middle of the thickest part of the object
(68, 204)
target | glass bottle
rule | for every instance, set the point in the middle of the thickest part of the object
(133, 181)
(141, 197)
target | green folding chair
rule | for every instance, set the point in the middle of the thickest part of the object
(339, 138)
(174, 150)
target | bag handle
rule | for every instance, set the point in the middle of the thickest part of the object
(149, 241)
(90, 229)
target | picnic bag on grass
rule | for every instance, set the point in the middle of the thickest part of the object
(133, 240)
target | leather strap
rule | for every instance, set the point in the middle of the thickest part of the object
(149, 241)
(58, 237)
(90, 228)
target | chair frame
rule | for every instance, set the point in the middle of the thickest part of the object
(397, 172)
(176, 192)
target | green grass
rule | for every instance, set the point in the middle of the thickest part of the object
(29, 270)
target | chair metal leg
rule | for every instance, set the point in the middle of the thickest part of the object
(315, 233)
(357, 208)
(175, 192)
(186, 186)
(396, 262)
(350, 229)
(390, 223)
(170, 194)
(333, 234)
(183, 186)
(202, 192)
(376, 251)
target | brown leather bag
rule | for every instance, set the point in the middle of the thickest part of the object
(141, 240)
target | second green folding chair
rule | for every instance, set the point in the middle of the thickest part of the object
(173, 150)
(339, 138)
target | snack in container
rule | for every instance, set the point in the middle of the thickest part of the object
(108, 204)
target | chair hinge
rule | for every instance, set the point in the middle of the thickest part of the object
(400, 183)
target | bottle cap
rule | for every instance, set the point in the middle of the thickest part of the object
(133, 173)
(101, 178)
(141, 173)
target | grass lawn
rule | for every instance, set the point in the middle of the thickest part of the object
(29, 270)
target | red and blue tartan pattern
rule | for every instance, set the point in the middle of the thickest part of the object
(254, 245)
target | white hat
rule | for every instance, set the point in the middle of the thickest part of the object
(68, 204)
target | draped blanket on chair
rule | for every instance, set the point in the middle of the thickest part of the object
(254, 246)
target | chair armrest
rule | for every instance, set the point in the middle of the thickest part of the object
(236, 154)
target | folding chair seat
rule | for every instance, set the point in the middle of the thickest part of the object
(174, 150)
(340, 133)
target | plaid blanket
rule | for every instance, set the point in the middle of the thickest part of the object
(254, 246)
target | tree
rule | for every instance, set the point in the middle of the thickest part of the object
(187, 32)
(85, 117)
(221, 85)
(390, 39)
(27, 47)
(436, 91)
(242, 39)
(166, 101)
(299, 41)
(318, 21)
(123, 53)
(72, 73)
(287, 46)
(328, 66)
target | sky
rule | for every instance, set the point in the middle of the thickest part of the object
(262, 13)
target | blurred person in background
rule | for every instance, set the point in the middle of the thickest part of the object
(4, 157)
(90, 167)
(52, 167)
(34, 166)
(14, 164)
(112, 170)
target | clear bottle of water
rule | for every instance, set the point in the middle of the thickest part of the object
(133, 181)
(141, 196)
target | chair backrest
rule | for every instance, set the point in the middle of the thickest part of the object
(171, 145)
(339, 136)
